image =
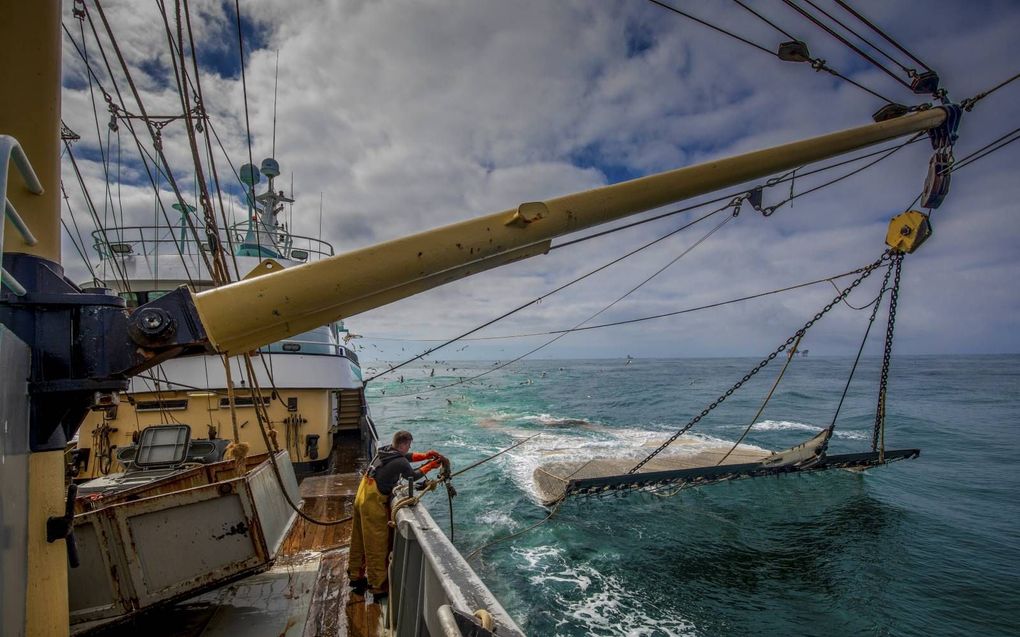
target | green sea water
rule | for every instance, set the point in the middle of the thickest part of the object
(929, 546)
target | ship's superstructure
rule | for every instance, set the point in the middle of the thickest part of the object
(312, 382)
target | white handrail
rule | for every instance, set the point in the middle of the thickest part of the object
(10, 149)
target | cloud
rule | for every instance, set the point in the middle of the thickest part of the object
(408, 115)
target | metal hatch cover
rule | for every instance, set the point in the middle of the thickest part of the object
(163, 446)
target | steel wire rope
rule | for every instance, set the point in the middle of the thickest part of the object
(95, 116)
(91, 206)
(843, 40)
(141, 150)
(547, 294)
(208, 123)
(200, 101)
(157, 146)
(604, 309)
(260, 417)
(969, 103)
(247, 126)
(908, 71)
(220, 274)
(817, 64)
(897, 257)
(74, 220)
(765, 361)
(768, 397)
(985, 150)
(882, 33)
(787, 177)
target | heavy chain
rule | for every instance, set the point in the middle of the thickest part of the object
(878, 435)
(865, 273)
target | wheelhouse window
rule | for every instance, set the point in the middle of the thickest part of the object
(242, 401)
(177, 404)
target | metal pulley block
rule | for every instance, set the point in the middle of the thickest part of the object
(907, 231)
(795, 51)
(936, 183)
(925, 83)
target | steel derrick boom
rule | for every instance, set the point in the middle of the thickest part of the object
(291, 301)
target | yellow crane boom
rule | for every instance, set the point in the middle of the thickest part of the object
(291, 301)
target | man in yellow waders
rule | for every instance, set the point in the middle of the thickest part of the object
(370, 535)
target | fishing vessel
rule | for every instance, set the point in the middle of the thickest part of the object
(76, 350)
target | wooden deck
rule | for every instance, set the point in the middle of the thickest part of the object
(329, 497)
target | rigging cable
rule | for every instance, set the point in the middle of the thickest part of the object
(77, 230)
(208, 142)
(882, 33)
(910, 72)
(886, 152)
(768, 397)
(985, 150)
(846, 42)
(817, 63)
(219, 274)
(157, 145)
(846, 292)
(735, 204)
(141, 150)
(547, 294)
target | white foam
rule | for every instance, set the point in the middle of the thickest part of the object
(787, 425)
(600, 603)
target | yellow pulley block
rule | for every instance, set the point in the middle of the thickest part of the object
(908, 231)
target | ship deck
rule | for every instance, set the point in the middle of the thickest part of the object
(304, 594)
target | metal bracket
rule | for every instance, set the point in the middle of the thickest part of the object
(527, 213)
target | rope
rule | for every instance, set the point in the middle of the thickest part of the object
(152, 131)
(768, 397)
(534, 526)
(604, 309)
(882, 33)
(544, 296)
(969, 103)
(846, 42)
(846, 292)
(871, 321)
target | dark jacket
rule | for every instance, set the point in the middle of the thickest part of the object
(390, 466)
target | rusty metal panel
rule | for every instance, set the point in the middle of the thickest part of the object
(95, 588)
(14, 365)
(173, 545)
(274, 513)
(187, 540)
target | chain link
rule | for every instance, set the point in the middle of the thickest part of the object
(865, 272)
(878, 435)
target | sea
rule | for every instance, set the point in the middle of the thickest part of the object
(929, 546)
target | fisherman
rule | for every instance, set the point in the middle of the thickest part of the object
(370, 535)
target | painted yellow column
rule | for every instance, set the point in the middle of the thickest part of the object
(46, 611)
(30, 112)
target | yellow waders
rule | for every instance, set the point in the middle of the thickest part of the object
(370, 536)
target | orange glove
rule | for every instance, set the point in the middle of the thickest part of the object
(429, 466)
(428, 455)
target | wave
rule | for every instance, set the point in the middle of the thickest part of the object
(788, 425)
(552, 421)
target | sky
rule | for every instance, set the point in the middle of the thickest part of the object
(404, 115)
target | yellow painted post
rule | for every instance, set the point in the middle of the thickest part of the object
(30, 112)
(297, 299)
